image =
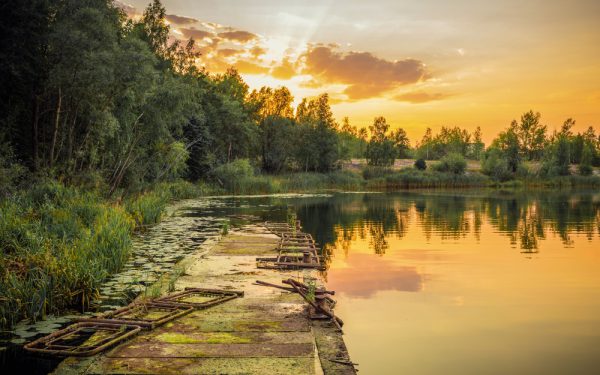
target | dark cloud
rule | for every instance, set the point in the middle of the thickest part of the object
(195, 33)
(180, 20)
(420, 97)
(238, 35)
(365, 74)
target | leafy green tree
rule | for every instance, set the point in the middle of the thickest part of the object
(531, 134)
(477, 147)
(453, 163)
(585, 167)
(381, 150)
(401, 143)
(495, 165)
(508, 143)
(318, 149)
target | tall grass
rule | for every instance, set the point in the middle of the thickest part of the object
(410, 178)
(59, 243)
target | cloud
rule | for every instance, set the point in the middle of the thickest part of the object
(257, 51)
(129, 10)
(248, 67)
(364, 275)
(238, 35)
(420, 97)
(180, 20)
(365, 75)
(195, 33)
(285, 70)
(227, 52)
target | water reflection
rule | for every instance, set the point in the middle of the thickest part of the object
(525, 219)
(446, 283)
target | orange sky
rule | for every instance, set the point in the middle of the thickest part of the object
(418, 63)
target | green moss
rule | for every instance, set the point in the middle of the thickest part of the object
(226, 338)
(177, 338)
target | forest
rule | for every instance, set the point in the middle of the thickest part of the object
(104, 120)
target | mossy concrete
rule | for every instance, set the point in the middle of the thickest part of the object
(265, 332)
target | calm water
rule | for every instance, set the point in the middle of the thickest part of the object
(477, 283)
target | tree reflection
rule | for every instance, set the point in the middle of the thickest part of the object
(525, 218)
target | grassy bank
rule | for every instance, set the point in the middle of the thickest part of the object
(382, 179)
(59, 243)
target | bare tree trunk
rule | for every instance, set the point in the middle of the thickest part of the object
(56, 125)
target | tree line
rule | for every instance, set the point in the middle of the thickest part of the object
(92, 96)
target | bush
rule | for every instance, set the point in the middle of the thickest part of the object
(452, 163)
(229, 175)
(585, 166)
(371, 172)
(420, 164)
(495, 166)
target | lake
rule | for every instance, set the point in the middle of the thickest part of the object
(468, 283)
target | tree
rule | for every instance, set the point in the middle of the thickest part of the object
(318, 148)
(401, 143)
(531, 134)
(381, 150)
(508, 143)
(585, 167)
(495, 165)
(454, 163)
(477, 146)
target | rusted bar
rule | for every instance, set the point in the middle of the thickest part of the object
(127, 315)
(297, 287)
(47, 344)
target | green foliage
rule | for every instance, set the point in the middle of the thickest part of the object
(58, 245)
(420, 164)
(411, 178)
(382, 149)
(453, 163)
(381, 154)
(231, 175)
(508, 143)
(448, 140)
(531, 134)
(585, 167)
(147, 208)
(557, 158)
(496, 166)
(372, 172)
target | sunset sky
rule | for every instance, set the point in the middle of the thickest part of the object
(418, 63)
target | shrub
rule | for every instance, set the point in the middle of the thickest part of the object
(229, 175)
(495, 166)
(420, 164)
(371, 172)
(585, 166)
(452, 163)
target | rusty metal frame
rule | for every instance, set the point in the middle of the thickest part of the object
(220, 297)
(49, 344)
(120, 316)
